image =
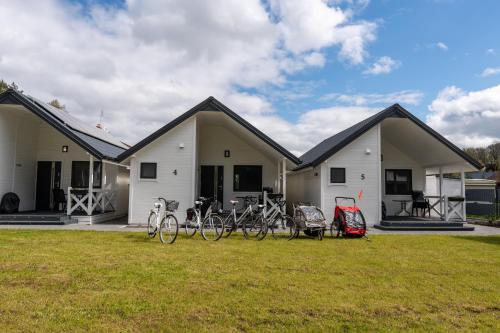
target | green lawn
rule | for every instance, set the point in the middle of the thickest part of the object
(102, 281)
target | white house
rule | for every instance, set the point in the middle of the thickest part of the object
(381, 159)
(208, 151)
(45, 149)
(211, 151)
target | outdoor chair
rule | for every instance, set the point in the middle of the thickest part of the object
(419, 201)
(59, 199)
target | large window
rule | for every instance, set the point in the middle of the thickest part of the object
(148, 170)
(337, 175)
(398, 182)
(80, 174)
(247, 178)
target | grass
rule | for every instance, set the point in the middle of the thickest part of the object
(102, 281)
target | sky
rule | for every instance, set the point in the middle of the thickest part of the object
(300, 71)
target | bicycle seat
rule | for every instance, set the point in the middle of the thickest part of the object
(261, 206)
(198, 202)
(157, 205)
(234, 202)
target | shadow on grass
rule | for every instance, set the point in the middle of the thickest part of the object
(494, 240)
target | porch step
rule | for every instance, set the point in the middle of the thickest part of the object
(422, 224)
(35, 219)
(423, 228)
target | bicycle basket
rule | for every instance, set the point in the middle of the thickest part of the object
(172, 206)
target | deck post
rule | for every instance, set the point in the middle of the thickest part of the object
(441, 203)
(278, 185)
(91, 185)
(103, 183)
(464, 204)
(284, 178)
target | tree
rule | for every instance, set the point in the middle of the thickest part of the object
(55, 103)
(4, 86)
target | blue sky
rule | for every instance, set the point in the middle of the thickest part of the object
(409, 32)
(299, 70)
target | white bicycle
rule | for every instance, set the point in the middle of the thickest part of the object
(211, 227)
(165, 223)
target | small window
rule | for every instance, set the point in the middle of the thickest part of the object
(80, 174)
(398, 182)
(247, 178)
(337, 175)
(148, 170)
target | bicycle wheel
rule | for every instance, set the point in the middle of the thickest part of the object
(190, 225)
(169, 228)
(283, 227)
(255, 228)
(152, 229)
(229, 226)
(212, 228)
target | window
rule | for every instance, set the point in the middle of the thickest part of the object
(148, 170)
(398, 182)
(80, 174)
(247, 178)
(337, 175)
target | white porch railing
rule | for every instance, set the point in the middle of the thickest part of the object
(270, 206)
(78, 199)
(447, 207)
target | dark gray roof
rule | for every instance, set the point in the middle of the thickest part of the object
(210, 104)
(333, 144)
(97, 142)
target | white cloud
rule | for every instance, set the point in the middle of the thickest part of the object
(411, 97)
(313, 126)
(467, 118)
(384, 65)
(146, 63)
(490, 71)
(491, 52)
(442, 46)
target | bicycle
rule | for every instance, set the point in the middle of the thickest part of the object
(168, 227)
(253, 224)
(281, 224)
(212, 226)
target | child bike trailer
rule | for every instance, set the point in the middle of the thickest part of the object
(348, 221)
(310, 219)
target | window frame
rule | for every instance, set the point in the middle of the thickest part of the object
(395, 171)
(337, 183)
(97, 180)
(141, 176)
(258, 188)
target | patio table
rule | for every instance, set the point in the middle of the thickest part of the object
(403, 203)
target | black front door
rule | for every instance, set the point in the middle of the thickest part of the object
(212, 182)
(48, 177)
(43, 185)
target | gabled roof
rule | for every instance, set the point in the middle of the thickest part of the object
(333, 144)
(97, 142)
(210, 104)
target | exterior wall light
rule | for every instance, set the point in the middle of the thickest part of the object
(65, 149)
(368, 151)
(227, 153)
(181, 145)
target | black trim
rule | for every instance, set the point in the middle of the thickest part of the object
(210, 104)
(394, 111)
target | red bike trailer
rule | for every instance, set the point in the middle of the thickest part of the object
(348, 221)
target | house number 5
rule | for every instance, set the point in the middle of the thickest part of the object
(363, 176)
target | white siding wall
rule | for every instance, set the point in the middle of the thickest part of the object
(353, 157)
(166, 153)
(212, 143)
(17, 165)
(396, 159)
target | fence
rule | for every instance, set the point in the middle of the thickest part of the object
(483, 202)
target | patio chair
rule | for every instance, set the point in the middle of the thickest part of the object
(419, 201)
(59, 199)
